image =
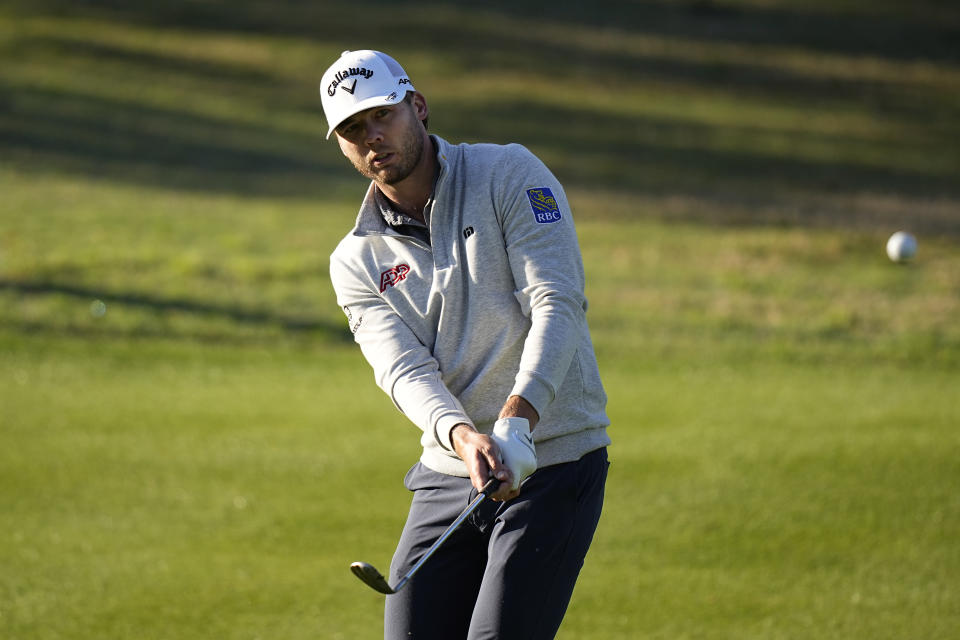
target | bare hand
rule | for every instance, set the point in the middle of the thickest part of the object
(482, 457)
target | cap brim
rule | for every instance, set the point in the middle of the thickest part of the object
(363, 105)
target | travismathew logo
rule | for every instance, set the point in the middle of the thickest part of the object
(339, 80)
(392, 276)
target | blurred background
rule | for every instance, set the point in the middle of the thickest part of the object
(192, 447)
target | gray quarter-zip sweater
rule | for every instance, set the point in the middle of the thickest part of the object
(492, 306)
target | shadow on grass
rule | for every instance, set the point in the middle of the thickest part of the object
(656, 155)
(66, 132)
(324, 328)
(928, 29)
(59, 131)
(81, 132)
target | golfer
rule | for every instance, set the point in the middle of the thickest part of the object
(463, 284)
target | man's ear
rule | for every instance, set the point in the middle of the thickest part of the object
(420, 107)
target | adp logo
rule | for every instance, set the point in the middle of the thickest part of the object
(544, 205)
(393, 275)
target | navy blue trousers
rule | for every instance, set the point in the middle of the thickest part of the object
(508, 572)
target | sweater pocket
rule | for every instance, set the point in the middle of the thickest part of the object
(593, 397)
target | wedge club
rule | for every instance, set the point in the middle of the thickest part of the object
(375, 580)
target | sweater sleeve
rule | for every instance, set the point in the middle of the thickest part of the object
(547, 268)
(403, 367)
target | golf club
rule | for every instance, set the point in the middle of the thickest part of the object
(375, 580)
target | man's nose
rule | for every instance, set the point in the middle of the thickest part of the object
(374, 133)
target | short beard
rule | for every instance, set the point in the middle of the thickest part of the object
(409, 153)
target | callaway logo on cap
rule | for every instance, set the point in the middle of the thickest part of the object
(361, 80)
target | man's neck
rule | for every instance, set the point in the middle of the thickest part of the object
(411, 195)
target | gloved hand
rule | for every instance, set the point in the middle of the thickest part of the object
(513, 437)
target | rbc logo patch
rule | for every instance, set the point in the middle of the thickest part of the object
(544, 205)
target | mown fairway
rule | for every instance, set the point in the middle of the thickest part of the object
(191, 447)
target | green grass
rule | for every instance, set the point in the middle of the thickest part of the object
(192, 447)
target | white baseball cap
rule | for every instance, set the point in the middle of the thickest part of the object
(361, 80)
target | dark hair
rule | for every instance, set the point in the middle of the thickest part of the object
(409, 100)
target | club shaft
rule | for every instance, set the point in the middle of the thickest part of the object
(491, 485)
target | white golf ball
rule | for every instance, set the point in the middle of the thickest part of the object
(901, 246)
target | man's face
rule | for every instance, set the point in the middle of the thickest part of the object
(385, 144)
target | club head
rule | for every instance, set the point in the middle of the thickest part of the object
(373, 578)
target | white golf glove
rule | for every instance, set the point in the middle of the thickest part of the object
(513, 437)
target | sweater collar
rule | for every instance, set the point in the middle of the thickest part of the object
(371, 219)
